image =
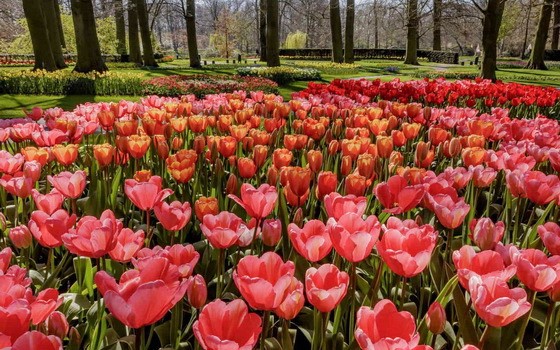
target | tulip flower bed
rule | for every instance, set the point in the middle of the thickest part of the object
(242, 221)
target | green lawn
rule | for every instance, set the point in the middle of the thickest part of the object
(12, 105)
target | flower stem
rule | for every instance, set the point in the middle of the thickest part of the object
(264, 333)
(531, 298)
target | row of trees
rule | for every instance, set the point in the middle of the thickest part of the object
(271, 18)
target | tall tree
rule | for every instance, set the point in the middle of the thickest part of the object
(556, 26)
(87, 43)
(536, 61)
(191, 34)
(272, 34)
(133, 34)
(437, 25)
(491, 23)
(336, 31)
(412, 33)
(262, 29)
(120, 27)
(145, 34)
(44, 58)
(349, 32)
(51, 20)
(59, 23)
(526, 35)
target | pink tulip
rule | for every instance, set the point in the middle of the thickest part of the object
(50, 202)
(173, 216)
(353, 237)
(484, 264)
(145, 195)
(128, 243)
(338, 205)
(257, 202)
(70, 185)
(485, 234)
(312, 241)
(326, 286)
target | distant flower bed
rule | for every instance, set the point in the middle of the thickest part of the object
(281, 75)
(200, 85)
(65, 82)
(329, 67)
(19, 62)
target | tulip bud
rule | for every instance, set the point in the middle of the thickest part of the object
(246, 167)
(355, 184)
(2, 222)
(272, 176)
(20, 236)
(315, 160)
(199, 144)
(435, 318)
(104, 154)
(298, 217)
(346, 166)
(271, 232)
(177, 143)
(143, 175)
(205, 205)
(57, 325)
(231, 185)
(197, 293)
(260, 153)
(333, 147)
(554, 292)
(162, 149)
(75, 338)
(248, 143)
(384, 146)
(122, 144)
(326, 183)
(366, 164)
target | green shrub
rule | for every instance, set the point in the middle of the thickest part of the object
(281, 75)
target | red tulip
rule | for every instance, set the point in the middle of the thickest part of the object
(337, 205)
(396, 196)
(197, 293)
(535, 270)
(484, 264)
(15, 319)
(158, 283)
(483, 177)
(10, 164)
(263, 282)
(145, 195)
(326, 286)
(70, 185)
(19, 186)
(33, 340)
(128, 243)
(93, 237)
(43, 305)
(50, 202)
(293, 302)
(48, 229)
(435, 318)
(57, 325)
(173, 216)
(21, 237)
(385, 327)
(326, 183)
(450, 213)
(184, 257)
(5, 258)
(540, 188)
(205, 205)
(271, 232)
(495, 302)
(257, 202)
(223, 230)
(312, 241)
(353, 237)
(242, 331)
(406, 247)
(485, 234)
(550, 236)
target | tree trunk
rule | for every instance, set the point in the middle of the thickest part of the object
(336, 31)
(349, 32)
(490, 30)
(120, 28)
(375, 25)
(133, 35)
(536, 61)
(49, 12)
(44, 58)
(87, 43)
(556, 26)
(145, 34)
(262, 29)
(191, 34)
(437, 25)
(272, 35)
(59, 23)
(526, 36)
(412, 33)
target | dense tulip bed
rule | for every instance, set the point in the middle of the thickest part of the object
(239, 221)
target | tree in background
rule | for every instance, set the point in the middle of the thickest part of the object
(336, 31)
(120, 28)
(536, 61)
(349, 32)
(438, 4)
(44, 58)
(53, 28)
(133, 34)
(191, 34)
(296, 40)
(556, 26)
(272, 34)
(262, 30)
(145, 34)
(87, 43)
(490, 30)
(412, 33)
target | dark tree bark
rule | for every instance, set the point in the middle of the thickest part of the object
(87, 43)
(59, 23)
(133, 34)
(262, 29)
(375, 25)
(556, 26)
(490, 30)
(412, 33)
(336, 31)
(49, 12)
(272, 34)
(437, 25)
(526, 36)
(145, 34)
(44, 58)
(120, 27)
(536, 61)
(349, 32)
(191, 34)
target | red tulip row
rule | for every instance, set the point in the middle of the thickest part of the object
(318, 223)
